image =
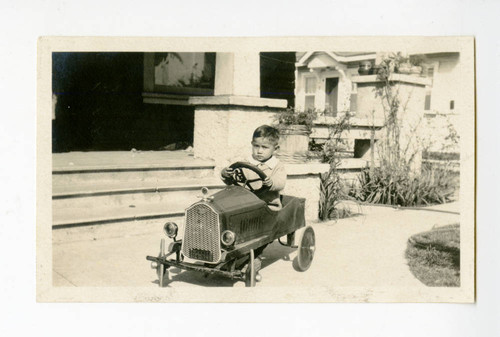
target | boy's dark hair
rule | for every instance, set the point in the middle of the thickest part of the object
(266, 131)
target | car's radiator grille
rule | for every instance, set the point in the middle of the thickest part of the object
(202, 234)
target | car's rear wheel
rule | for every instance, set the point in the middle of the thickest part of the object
(306, 249)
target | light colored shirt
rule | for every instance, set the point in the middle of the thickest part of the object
(275, 170)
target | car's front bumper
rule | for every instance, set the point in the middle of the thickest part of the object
(215, 270)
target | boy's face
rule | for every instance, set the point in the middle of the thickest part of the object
(263, 148)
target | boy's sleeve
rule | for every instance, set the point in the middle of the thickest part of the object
(278, 177)
(228, 180)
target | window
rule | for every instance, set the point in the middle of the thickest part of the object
(353, 107)
(180, 73)
(427, 104)
(310, 93)
(309, 104)
(430, 75)
(310, 85)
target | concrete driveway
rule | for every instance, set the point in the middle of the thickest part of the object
(366, 251)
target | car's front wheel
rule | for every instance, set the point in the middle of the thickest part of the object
(251, 271)
(161, 269)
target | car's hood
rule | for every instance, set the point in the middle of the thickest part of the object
(235, 199)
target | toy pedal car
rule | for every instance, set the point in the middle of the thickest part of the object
(225, 231)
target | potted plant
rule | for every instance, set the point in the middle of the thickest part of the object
(416, 61)
(295, 128)
(403, 65)
(365, 68)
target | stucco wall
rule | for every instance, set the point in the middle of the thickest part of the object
(411, 97)
(224, 133)
(446, 83)
(305, 187)
(440, 133)
(367, 102)
(412, 121)
(411, 92)
(308, 185)
(446, 87)
(303, 181)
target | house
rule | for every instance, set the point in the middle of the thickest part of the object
(331, 82)
(324, 80)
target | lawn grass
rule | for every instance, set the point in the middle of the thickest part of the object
(434, 256)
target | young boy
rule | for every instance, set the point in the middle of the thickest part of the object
(264, 143)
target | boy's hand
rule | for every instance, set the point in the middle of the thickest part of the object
(268, 182)
(227, 172)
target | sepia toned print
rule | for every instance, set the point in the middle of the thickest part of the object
(376, 136)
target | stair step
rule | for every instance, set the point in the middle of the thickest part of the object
(149, 174)
(152, 166)
(84, 216)
(120, 187)
(130, 193)
(78, 161)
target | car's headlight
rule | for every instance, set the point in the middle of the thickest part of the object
(227, 237)
(170, 229)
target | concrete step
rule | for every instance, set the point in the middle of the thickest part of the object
(159, 167)
(86, 216)
(127, 193)
(157, 174)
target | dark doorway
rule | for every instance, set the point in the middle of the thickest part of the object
(99, 106)
(277, 76)
(331, 95)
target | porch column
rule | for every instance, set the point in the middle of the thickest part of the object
(237, 74)
(224, 123)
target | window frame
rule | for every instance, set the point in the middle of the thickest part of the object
(312, 94)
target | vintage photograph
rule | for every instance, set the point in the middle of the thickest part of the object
(256, 169)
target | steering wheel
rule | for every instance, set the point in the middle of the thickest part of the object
(241, 180)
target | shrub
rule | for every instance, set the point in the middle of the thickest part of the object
(396, 186)
(332, 187)
(332, 192)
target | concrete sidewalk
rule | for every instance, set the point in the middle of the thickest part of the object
(367, 250)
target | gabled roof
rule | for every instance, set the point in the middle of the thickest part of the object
(339, 57)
